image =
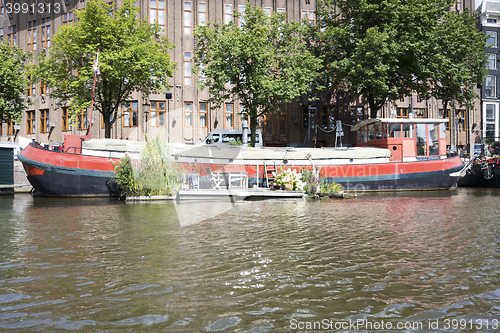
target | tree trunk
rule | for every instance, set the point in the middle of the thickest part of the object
(253, 129)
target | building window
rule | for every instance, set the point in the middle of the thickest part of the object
(419, 113)
(445, 114)
(229, 112)
(457, 5)
(30, 122)
(203, 115)
(401, 112)
(228, 13)
(83, 121)
(44, 90)
(188, 18)
(269, 124)
(31, 89)
(65, 120)
(130, 114)
(44, 121)
(490, 121)
(1, 35)
(11, 35)
(10, 128)
(202, 13)
(188, 114)
(357, 115)
(188, 76)
(202, 75)
(328, 118)
(45, 27)
(241, 9)
(460, 116)
(490, 113)
(157, 13)
(308, 16)
(282, 125)
(492, 39)
(492, 60)
(268, 11)
(490, 86)
(492, 21)
(67, 18)
(31, 41)
(157, 114)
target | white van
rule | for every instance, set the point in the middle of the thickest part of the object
(231, 136)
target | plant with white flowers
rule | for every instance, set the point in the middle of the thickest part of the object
(290, 177)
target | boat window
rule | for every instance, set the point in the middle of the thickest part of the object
(378, 131)
(394, 130)
(371, 132)
(433, 139)
(408, 130)
(421, 140)
(362, 137)
(442, 131)
(384, 131)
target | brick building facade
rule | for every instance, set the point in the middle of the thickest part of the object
(182, 113)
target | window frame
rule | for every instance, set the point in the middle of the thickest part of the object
(493, 35)
(30, 122)
(188, 114)
(65, 119)
(130, 114)
(159, 112)
(157, 10)
(45, 31)
(188, 68)
(228, 13)
(201, 13)
(44, 121)
(229, 114)
(490, 89)
(31, 35)
(188, 18)
(203, 111)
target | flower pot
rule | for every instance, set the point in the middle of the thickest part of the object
(288, 187)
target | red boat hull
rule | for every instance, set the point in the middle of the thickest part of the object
(54, 173)
(64, 174)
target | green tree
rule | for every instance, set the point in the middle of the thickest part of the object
(383, 50)
(13, 82)
(132, 57)
(262, 62)
(460, 65)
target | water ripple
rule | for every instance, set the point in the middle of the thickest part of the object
(109, 266)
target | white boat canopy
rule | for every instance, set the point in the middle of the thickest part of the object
(399, 121)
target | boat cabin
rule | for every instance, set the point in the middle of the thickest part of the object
(408, 139)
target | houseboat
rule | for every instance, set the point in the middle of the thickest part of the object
(392, 154)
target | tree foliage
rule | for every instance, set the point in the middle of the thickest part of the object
(13, 82)
(132, 57)
(262, 62)
(384, 50)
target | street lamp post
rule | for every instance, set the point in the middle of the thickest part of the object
(145, 108)
(168, 96)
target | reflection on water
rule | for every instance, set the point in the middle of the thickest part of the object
(258, 266)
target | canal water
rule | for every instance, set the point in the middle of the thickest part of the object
(407, 262)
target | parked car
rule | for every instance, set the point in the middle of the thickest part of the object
(231, 136)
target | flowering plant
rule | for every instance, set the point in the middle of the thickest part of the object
(312, 180)
(315, 183)
(289, 177)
